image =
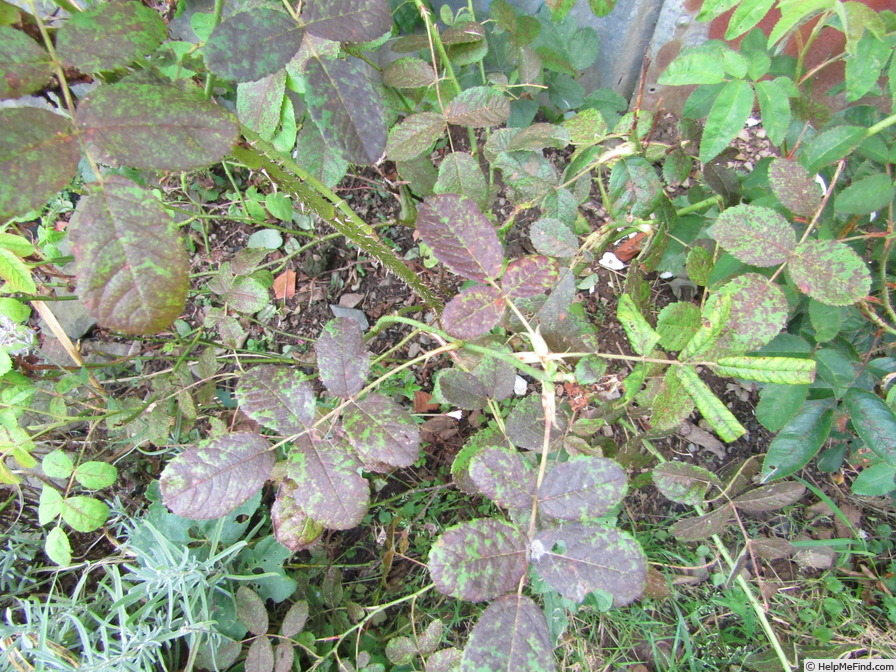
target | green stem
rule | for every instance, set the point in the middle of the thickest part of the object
(696, 207)
(881, 125)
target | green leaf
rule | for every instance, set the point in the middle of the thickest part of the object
(277, 397)
(694, 67)
(699, 265)
(676, 324)
(409, 72)
(58, 548)
(510, 636)
(460, 236)
(250, 45)
(84, 514)
(109, 36)
(581, 488)
(874, 422)
(258, 103)
(530, 276)
(830, 146)
(279, 205)
(342, 358)
(799, 441)
(746, 16)
(780, 370)
(16, 244)
(478, 106)
(49, 505)
(292, 526)
(348, 20)
(794, 187)
(24, 66)
(778, 404)
(95, 475)
(726, 118)
(774, 108)
(478, 560)
(155, 127)
(212, 479)
(795, 13)
(15, 310)
(39, 155)
(830, 271)
(459, 173)
(473, 312)
(552, 238)
(414, 135)
(713, 319)
(382, 431)
(601, 7)
(826, 320)
(754, 235)
(684, 483)
(863, 69)
(878, 480)
(635, 187)
(17, 275)
(504, 477)
(132, 268)
(671, 406)
(710, 406)
(347, 108)
(640, 334)
(576, 559)
(867, 195)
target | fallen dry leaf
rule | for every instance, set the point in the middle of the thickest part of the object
(285, 285)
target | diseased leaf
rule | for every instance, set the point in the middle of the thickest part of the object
(504, 477)
(109, 36)
(295, 619)
(463, 32)
(874, 422)
(410, 72)
(754, 235)
(676, 324)
(250, 45)
(782, 370)
(251, 611)
(347, 108)
(459, 173)
(38, 156)
(317, 158)
(284, 656)
(478, 560)
(212, 479)
(498, 377)
(525, 424)
(401, 650)
(672, 405)
(132, 267)
(478, 106)
(510, 636)
(552, 238)
(830, 272)
(461, 389)
(155, 127)
(473, 312)
(414, 135)
(260, 656)
(726, 118)
(348, 20)
(330, 489)
(758, 313)
(710, 406)
(799, 441)
(24, 66)
(713, 319)
(444, 660)
(794, 187)
(635, 187)
(277, 397)
(381, 430)
(640, 334)
(770, 497)
(529, 175)
(292, 526)
(258, 103)
(342, 359)
(576, 559)
(683, 483)
(530, 276)
(539, 136)
(702, 527)
(772, 548)
(460, 236)
(582, 487)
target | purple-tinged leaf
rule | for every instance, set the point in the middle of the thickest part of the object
(260, 656)
(132, 268)
(342, 359)
(109, 36)
(429, 640)
(583, 487)
(381, 430)
(38, 156)
(539, 136)
(330, 490)
(478, 560)
(24, 66)
(155, 127)
(498, 377)
(258, 103)
(770, 497)
(401, 650)
(463, 32)
(772, 548)
(473, 312)
(525, 424)
(292, 526)
(444, 660)
(212, 479)
(347, 108)
(794, 187)
(348, 20)
(295, 619)
(702, 527)
(683, 483)
(410, 72)
(577, 559)
(277, 397)
(478, 106)
(250, 45)
(553, 238)
(414, 135)
(284, 656)
(504, 477)
(460, 236)
(830, 272)
(511, 636)
(250, 610)
(461, 389)
(530, 276)
(754, 235)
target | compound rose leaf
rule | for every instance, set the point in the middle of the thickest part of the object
(250, 45)
(582, 487)
(754, 235)
(473, 312)
(504, 477)
(530, 276)
(277, 397)
(382, 431)
(342, 359)
(348, 20)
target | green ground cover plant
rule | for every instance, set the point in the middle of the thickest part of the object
(489, 135)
